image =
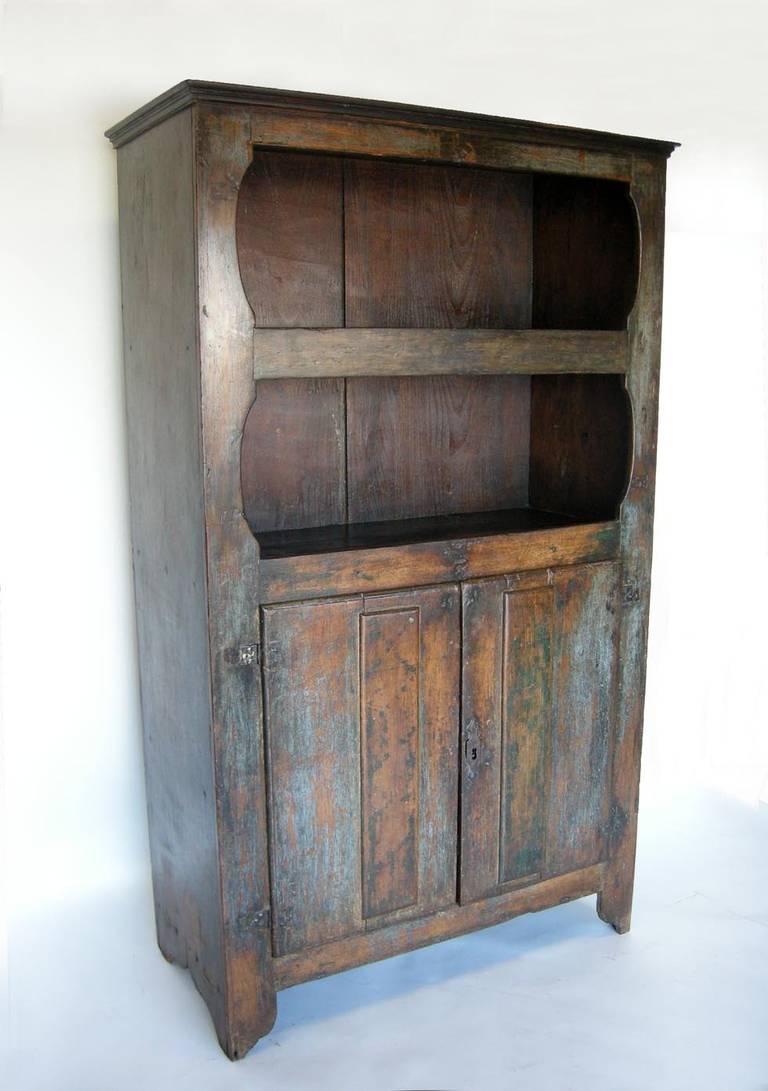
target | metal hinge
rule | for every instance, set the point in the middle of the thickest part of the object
(259, 918)
(247, 655)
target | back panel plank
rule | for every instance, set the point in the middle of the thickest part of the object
(431, 246)
(292, 455)
(526, 726)
(389, 712)
(586, 660)
(436, 445)
(312, 713)
(290, 239)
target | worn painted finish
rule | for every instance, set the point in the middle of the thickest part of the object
(585, 661)
(312, 699)
(227, 392)
(389, 720)
(291, 578)
(162, 383)
(361, 704)
(453, 921)
(647, 190)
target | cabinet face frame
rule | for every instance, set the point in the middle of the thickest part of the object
(225, 935)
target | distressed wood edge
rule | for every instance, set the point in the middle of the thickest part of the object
(189, 92)
(394, 939)
(391, 567)
(314, 353)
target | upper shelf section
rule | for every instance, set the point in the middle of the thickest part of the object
(386, 248)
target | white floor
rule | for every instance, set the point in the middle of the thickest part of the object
(554, 1001)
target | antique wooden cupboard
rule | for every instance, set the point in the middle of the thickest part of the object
(392, 378)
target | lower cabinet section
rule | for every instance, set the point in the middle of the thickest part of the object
(362, 726)
(373, 768)
(540, 656)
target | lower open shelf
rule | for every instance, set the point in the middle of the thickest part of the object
(364, 558)
(396, 532)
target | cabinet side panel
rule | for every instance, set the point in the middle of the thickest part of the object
(526, 720)
(584, 709)
(389, 723)
(290, 239)
(313, 754)
(157, 253)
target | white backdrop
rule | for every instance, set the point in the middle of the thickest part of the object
(692, 71)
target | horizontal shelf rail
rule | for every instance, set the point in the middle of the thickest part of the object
(316, 353)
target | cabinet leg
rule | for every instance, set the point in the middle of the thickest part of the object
(251, 1006)
(614, 902)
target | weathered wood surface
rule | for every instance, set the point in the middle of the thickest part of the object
(312, 702)
(156, 193)
(293, 455)
(436, 446)
(647, 189)
(585, 661)
(454, 921)
(227, 392)
(308, 353)
(361, 698)
(288, 579)
(435, 246)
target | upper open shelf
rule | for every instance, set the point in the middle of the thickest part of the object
(340, 242)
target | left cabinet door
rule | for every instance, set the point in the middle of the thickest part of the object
(362, 725)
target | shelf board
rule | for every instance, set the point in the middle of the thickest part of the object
(315, 353)
(368, 557)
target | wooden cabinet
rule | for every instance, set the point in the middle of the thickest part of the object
(392, 386)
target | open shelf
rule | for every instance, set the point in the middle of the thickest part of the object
(332, 241)
(400, 532)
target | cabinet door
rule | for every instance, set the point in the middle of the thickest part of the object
(362, 726)
(539, 671)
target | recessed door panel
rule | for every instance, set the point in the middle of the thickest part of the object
(362, 726)
(539, 669)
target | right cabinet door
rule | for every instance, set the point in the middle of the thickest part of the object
(539, 677)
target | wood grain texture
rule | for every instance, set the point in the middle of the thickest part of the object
(454, 144)
(312, 718)
(581, 444)
(648, 188)
(454, 921)
(506, 724)
(361, 702)
(437, 684)
(227, 391)
(435, 446)
(292, 456)
(585, 664)
(585, 254)
(288, 579)
(389, 715)
(314, 353)
(528, 622)
(290, 239)
(436, 247)
(157, 256)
